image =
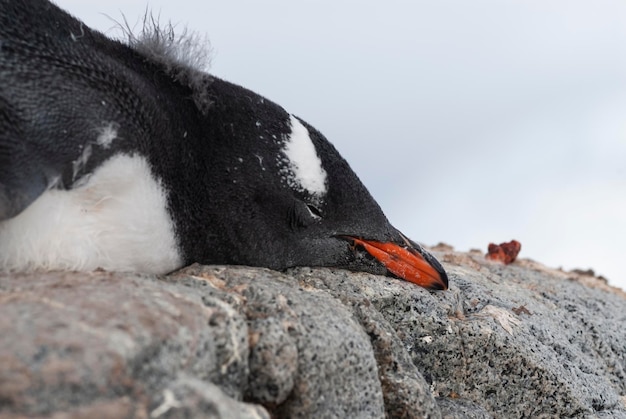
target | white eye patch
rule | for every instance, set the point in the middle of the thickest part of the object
(302, 167)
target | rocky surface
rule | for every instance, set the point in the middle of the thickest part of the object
(519, 341)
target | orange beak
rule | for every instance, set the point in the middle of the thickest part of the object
(406, 262)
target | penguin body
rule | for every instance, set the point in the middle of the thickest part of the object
(111, 158)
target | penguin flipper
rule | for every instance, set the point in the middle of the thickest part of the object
(22, 175)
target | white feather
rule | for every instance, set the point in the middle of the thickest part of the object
(304, 167)
(117, 220)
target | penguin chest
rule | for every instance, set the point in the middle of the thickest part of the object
(117, 220)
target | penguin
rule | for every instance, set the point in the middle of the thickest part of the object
(124, 157)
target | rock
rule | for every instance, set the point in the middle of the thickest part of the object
(189, 397)
(70, 341)
(519, 340)
(452, 408)
(309, 357)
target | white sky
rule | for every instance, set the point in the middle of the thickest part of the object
(470, 121)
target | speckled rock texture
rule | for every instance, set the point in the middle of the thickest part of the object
(519, 341)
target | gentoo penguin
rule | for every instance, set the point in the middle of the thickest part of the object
(123, 157)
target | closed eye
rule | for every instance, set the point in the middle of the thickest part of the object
(303, 215)
(315, 212)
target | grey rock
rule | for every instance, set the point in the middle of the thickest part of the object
(461, 409)
(72, 340)
(309, 357)
(191, 398)
(406, 393)
(519, 340)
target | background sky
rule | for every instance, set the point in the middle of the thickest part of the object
(469, 121)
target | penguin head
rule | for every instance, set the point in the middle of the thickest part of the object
(352, 231)
(293, 201)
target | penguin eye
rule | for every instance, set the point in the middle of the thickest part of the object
(315, 212)
(303, 215)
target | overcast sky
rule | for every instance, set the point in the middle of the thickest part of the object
(470, 121)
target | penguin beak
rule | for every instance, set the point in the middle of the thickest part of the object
(407, 261)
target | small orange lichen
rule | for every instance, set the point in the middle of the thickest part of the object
(504, 252)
